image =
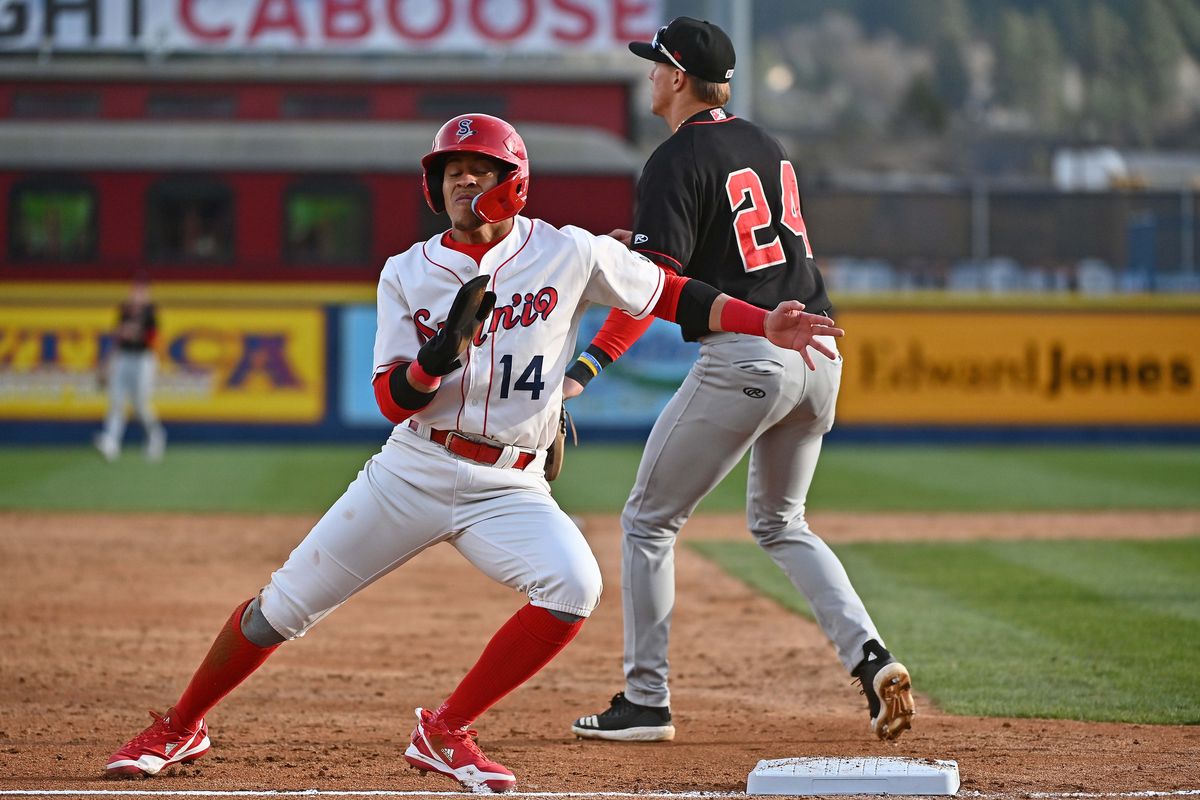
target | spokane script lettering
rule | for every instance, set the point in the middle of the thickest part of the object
(524, 310)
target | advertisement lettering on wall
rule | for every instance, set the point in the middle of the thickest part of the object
(998, 367)
(465, 26)
(214, 364)
(974, 368)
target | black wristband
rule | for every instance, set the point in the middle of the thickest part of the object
(589, 364)
(404, 393)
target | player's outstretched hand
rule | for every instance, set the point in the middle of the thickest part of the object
(472, 305)
(790, 326)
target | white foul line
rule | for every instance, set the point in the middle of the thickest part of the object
(318, 793)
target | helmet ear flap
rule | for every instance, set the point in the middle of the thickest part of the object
(503, 201)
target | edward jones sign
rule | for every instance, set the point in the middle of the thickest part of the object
(396, 26)
(1020, 367)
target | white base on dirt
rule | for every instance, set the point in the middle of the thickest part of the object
(886, 775)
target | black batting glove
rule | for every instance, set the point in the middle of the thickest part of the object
(472, 305)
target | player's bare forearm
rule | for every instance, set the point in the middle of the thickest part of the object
(714, 313)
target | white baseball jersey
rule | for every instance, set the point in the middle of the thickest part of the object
(509, 388)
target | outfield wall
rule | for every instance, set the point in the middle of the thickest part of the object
(271, 363)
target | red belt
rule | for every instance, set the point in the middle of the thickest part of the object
(482, 452)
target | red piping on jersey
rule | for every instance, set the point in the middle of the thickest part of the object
(425, 253)
(658, 292)
(708, 121)
(656, 253)
(462, 388)
(487, 402)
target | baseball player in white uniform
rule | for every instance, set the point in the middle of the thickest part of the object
(475, 330)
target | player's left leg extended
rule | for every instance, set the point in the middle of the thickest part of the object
(782, 463)
(518, 536)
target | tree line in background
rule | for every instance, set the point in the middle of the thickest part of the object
(1120, 72)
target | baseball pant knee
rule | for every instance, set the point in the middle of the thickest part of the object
(575, 591)
(256, 628)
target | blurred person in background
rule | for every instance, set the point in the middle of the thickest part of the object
(718, 201)
(128, 373)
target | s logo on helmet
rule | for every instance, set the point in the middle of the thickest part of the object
(464, 129)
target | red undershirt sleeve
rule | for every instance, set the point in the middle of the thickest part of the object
(396, 397)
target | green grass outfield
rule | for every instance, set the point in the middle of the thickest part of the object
(307, 479)
(1098, 630)
(1092, 630)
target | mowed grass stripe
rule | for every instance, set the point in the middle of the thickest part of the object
(597, 478)
(994, 629)
(1017, 478)
(1103, 568)
(277, 479)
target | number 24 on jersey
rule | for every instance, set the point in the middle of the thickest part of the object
(746, 183)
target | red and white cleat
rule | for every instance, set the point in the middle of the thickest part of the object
(436, 748)
(159, 746)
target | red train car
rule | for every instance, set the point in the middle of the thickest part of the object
(214, 179)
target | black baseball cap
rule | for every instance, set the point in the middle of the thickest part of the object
(693, 45)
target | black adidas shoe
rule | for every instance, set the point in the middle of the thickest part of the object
(625, 721)
(888, 687)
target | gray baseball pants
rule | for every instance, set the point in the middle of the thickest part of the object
(131, 382)
(742, 393)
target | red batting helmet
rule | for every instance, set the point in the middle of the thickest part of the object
(489, 136)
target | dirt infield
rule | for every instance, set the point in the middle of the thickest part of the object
(105, 616)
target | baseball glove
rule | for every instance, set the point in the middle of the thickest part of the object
(558, 448)
(471, 306)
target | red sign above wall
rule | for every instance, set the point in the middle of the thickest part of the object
(395, 26)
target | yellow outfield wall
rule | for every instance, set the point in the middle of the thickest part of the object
(986, 367)
(257, 353)
(220, 364)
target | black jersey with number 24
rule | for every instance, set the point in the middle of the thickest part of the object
(718, 201)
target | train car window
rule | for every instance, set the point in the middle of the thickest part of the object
(39, 104)
(52, 220)
(164, 105)
(327, 223)
(189, 219)
(326, 106)
(440, 105)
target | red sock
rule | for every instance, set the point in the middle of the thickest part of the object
(231, 659)
(516, 653)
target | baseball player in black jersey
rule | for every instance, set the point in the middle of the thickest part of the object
(719, 201)
(129, 372)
